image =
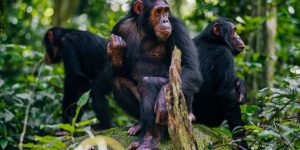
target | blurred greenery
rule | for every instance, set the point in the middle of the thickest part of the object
(271, 113)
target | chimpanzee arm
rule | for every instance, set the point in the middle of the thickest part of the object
(225, 76)
(120, 69)
(190, 75)
(70, 56)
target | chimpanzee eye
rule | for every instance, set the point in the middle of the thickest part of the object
(234, 30)
(159, 10)
(167, 10)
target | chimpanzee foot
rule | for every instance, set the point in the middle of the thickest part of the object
(134, 129)
(147, 143)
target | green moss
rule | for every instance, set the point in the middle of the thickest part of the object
(205, 137)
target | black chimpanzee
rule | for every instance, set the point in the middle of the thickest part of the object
(216, 100)
(85, 60)
(140, 47)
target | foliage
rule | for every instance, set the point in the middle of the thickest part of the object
(274, 122)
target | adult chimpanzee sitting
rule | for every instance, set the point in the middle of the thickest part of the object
(216, 100)
(85, 59)
(141, 47)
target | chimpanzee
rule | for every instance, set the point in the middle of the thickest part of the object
(86, 67)
(141, 47)
(216, 100)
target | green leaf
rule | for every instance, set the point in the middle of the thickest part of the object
(8, 115)
(3, 143)
(83, 99)
(87, 122)
(23, 96)
(51, 140)
(268, 134)
(63, 126)
(67, 127)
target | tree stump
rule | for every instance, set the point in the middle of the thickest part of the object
(179, 125)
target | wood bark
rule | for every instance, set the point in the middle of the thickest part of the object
(179, 125)
(271, 26)
(263, 41)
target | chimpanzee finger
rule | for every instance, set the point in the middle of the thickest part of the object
(117, 39)
(121, 41)
(108, 48)
(133, 145)
(192, 117)
(131, 131)
(157, 120)
(111, 38)
(241, 99)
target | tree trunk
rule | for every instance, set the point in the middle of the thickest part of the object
(63, 10)
(271, 26)
(263, 42)
(257, 45)
(179, 125)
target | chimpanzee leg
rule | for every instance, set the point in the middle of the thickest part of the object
(127, 96)
(149, 88)
(233, 116)
(101, 109)
(72, 91)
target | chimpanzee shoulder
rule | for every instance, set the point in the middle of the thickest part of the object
(83, 50)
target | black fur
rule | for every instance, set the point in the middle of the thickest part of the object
(85, 60)
(136, 57)
(216, 101)
(190, 76)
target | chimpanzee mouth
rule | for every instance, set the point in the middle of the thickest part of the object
(241, 49)
(163, 34)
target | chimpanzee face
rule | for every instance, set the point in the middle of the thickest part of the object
(236, 41)
(159, 19)
(226, 31)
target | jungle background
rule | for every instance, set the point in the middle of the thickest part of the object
(31, 91)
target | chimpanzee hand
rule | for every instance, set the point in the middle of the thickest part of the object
(160, 107)
(115, 49)
(240, 90)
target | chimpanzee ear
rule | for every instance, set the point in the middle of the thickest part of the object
(138, 7)
(217, 29)
(51, 36)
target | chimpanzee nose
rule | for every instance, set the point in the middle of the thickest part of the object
(165, 21)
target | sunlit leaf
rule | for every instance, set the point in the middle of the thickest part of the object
(268, 134)
(83, 99)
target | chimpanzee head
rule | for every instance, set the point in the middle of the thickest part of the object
(51, 39)
(225, 30)
(153, 16)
